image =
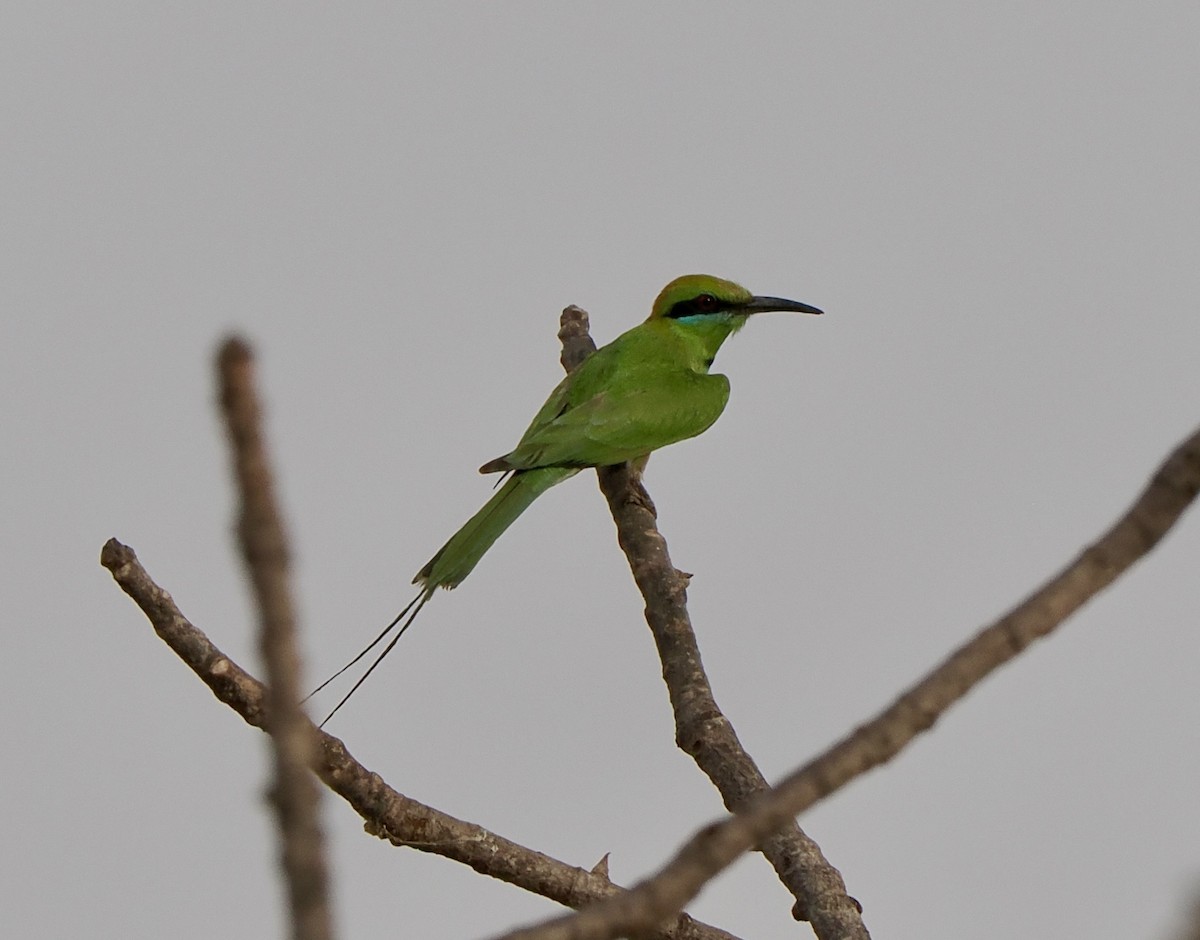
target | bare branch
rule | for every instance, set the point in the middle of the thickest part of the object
(701, 729)
(1162, 502)
(1189, 928)
(264, 549)
(577, 343)
(387, 813)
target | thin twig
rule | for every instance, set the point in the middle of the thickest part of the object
(701, 730)
(1169, 492)
(387, 813)
(261, 536)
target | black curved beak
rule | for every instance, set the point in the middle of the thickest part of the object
(777, 305)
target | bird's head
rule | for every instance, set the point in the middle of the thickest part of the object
(701, 296)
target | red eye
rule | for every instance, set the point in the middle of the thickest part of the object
(706, 303)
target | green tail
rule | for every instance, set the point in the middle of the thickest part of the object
(458, 556)
(450, 566)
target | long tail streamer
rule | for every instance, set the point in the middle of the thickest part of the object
(415, 606)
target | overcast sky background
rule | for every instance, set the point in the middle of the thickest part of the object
(998, 206)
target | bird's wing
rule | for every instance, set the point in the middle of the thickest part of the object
(620, 423)
(575, 391)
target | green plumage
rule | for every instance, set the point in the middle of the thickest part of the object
(456, 558)
(648, 388)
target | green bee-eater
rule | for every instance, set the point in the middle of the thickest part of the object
(648, 388)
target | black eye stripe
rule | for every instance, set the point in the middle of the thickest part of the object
(696, 306)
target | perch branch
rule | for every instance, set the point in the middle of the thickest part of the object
(701, 730)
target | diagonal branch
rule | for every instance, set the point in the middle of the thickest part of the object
(701, 729)
(1170, 491)
(388, 813)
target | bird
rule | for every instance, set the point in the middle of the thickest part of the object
(650, 387)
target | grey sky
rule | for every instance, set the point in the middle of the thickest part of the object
(997, 206)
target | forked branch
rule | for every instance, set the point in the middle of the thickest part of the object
(1170, 491)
